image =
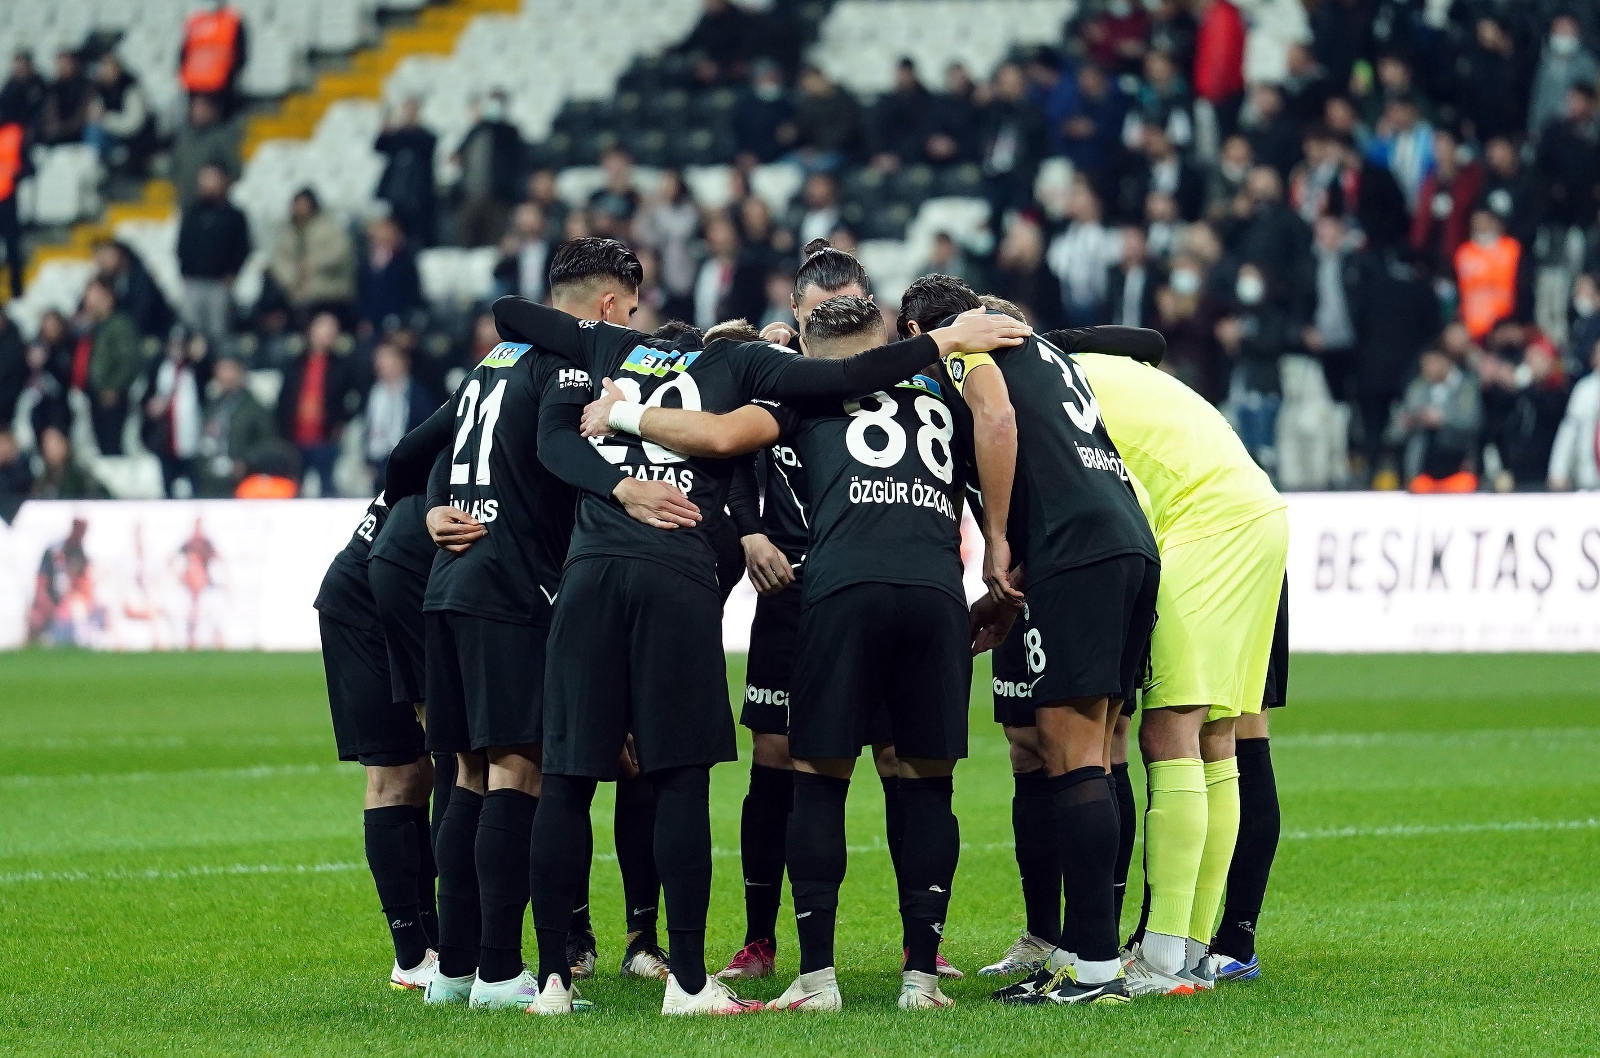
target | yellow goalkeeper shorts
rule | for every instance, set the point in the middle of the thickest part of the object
(1214, 618)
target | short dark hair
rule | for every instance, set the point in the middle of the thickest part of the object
(588, 259)
(672, 330)
(842, 317)
(933, 299)
(830, 268)
(739, 330)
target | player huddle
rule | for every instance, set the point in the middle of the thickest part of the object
(546, 570)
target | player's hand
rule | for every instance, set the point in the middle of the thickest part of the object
(978, 331)
(453, 529)
(628, 760)
(597, 415)
(778, 333)
(988, 624)
(997, 573)
(656, 503)
(770, 571)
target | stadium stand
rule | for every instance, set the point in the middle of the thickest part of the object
(1027, 154)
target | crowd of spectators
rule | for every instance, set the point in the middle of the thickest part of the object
(1370, 235)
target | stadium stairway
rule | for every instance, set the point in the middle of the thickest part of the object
(57, 271)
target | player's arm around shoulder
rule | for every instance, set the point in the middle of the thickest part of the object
(692, 433)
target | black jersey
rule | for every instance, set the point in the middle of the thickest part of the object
(885, 476)
(344, 594)
(492, 471)
(1072, 502)
(718, 378)
(782, 475)
(404, 538)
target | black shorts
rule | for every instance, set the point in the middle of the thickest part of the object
(1277, 692)
(399, 592)
(899, 648)
(1063, 648)
(485, 683)
(368, 725)
(635, 648)
(769, 670)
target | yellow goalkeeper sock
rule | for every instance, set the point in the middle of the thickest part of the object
(1174, 840)
(1222, 830)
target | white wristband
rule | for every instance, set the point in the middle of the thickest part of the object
(625, 416)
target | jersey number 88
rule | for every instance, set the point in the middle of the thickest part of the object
(941, 463)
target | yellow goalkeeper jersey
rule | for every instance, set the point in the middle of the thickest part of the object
(1200, 479)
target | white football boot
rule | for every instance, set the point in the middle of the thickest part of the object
(920, 991)
(714, 998)
(446, 991)
(416, 978)
(517, 993)
(554, 998)
(817, 990)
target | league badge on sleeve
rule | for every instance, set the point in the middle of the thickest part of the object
(505, 354)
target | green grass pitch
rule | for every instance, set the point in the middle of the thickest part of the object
(181, 870)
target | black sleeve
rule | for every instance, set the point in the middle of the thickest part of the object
(520, 320)
(439, 482)
(764, 370)
(568, 456)
(744, 496)
(412, 459)
(1138, 343)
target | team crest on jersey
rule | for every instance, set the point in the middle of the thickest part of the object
(505, 354)
(658, 362)
(957, 368)
(924, 383)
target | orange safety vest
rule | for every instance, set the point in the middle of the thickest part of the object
(266, 487)
(10, 158)
(208, 39)
(1486, 277)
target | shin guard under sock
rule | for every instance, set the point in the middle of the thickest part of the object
(683, 858)
(427, 875)
(928, 867)
(556, 867)
(1222, 831)
(460, 920)
(391, 841)
(763, 835)
(1259, 823)
(505, 829)
(634, 827)
(817, 863)
(1086, 831)
(1038, 858)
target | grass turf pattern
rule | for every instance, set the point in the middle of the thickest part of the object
(181, 869)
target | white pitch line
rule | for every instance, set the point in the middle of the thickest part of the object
(259, 771)
(244, 869)
(1520, 736)
(223, 740)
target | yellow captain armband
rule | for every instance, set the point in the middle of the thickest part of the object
(959, 365)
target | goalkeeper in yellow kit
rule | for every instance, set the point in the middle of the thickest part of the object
(1222, 531)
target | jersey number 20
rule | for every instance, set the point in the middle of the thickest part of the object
(941, 464)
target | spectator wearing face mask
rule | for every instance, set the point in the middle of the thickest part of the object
(1254, 336)
(1564, 63)
(1436, 427)
(1187, 316)
(1575, 454)
(1583, 326)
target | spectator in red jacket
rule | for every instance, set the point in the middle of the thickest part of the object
(1219, 59)
(1443, 220)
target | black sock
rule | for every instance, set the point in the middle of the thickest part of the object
(634, 825)
(504, 831)
(683, 858)
(763, 834)
(460, 921)
(1086, 820)
(444, 781)
(1253, 853)
(894, 828)
(1038, 860)
(815, 846)
(556, 867)
(929, 867)
(1127, 832)
(427, 874)
(581, 923)
(392, 857)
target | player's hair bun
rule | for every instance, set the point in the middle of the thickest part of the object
(816, 246)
